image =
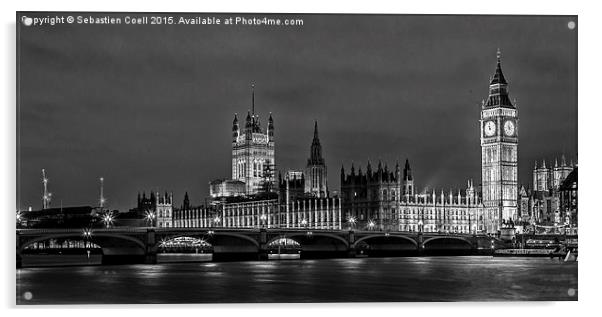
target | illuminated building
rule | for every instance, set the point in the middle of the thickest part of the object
(253, 152)
(383, 200)
(499, 154)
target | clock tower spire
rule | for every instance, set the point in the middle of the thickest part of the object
(499, 154)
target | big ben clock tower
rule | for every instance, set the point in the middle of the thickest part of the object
(499, 154)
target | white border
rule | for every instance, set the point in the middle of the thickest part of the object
(589, 127)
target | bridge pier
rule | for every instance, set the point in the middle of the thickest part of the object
(351, 251)
(420, 244)
(150, 254)
(150, 258)
(263, 247)
(19, 258)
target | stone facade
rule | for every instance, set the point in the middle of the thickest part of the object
(499, 153)
(542, 204)
(315, 171)
(309, 213)
(253, 152)
(383, 200)
(159, 209)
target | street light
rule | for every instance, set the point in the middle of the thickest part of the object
(371, 225)
(304, 223)
(420, 226)
(107, 219)
(87, 234)
(263, 218)
(19, 218)
(150, 217)
(351, 221)
(216, 221)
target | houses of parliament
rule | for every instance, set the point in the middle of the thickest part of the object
(379, 197)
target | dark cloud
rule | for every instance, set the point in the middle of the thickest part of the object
(151, 107)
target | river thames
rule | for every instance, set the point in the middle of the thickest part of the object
(461, 278)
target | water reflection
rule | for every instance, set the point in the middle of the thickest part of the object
(334, 280)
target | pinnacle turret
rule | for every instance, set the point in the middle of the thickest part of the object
(407, 171)
(498, 76)
(498, 88)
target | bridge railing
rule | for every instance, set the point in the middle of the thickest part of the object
(223, 229)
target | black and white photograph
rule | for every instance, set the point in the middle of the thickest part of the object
(221, 158)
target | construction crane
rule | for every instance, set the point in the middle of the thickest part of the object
(46, 196)
(102, 199)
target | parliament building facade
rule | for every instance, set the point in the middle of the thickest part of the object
(380, 198)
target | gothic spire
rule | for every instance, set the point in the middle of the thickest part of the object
(186, 202)
(315, 157)
(235, 123)
(407, 171)
(253, 99)
(498, 88)
(498, 77)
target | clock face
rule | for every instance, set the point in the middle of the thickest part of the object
(489, 128)
(509, 128)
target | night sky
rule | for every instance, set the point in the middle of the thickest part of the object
(151, 107)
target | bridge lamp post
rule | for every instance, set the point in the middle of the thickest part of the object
(107, 219)
(371, 225)
(19, 218)
(263, 218)
(150, 217)
(304, 223)
(87, 234)
(351, 223)
(420, 224)
(216, 221)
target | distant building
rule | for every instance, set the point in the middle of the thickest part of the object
(549, 179)
(382, 200)
(194, 217)
(499, 154)
(241, 212)
(253, 152)
(156, 210)
(371, 197)
(293, 185)
(64, 217)
(316, 175)
(568, 199)
(227, 188)
(542, 204)
(300, 200)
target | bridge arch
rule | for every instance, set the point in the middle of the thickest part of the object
(273, 240)
(443, 238)
(234, 235)
(372, 236)
(210, 238)
(93, 238)
(303, 236)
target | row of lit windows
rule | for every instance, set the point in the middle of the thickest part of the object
(430, 212)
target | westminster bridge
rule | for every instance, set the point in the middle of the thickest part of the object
(141, 245)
